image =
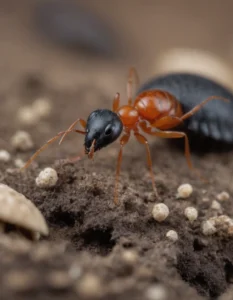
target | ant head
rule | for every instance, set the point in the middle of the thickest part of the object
(103, 128)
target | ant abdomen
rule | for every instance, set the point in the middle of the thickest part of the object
(155, 104)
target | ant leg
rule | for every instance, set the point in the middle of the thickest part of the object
(123, 141)
(116, 102)
(173, 135)
(141, 139)
(167, 122)
(46, 145)
(132, 73)
(199, 106)
(82, 122)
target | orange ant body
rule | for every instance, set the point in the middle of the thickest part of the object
(154, 112)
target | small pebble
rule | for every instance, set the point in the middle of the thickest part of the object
(208, 227)
(172, 235)
(222, 224)
(19, 163)
(22, 140)
(47, 178)
(89, 286)
(130, 257)
(223, 196)
(42, 107)
(4, 156)
(191, 214)
(160, 212)
(26, 115)
(184, 191)
(156, 292)
(216, 205)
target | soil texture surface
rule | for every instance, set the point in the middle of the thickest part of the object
(95, 249)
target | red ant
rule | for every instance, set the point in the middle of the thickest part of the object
(154, 109)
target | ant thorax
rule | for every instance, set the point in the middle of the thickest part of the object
(128, 115)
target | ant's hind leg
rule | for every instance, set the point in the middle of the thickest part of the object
(174, 135)
(132, 73)
(141, 139)
(167, 122)
(199, 106)
(123, 141)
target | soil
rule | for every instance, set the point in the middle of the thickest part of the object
(119, 252)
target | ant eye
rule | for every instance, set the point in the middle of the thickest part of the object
(108, 130)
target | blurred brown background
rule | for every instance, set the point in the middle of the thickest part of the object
(146, 29)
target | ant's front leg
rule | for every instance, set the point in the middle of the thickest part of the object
(82, 122)
(123, 141)
(47, 144)
(141, 139)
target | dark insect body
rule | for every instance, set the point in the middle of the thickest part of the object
(68, 23)
(214, 122)
(154, 112)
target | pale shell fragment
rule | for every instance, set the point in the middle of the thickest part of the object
(17, 210)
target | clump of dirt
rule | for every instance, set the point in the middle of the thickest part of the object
(94, 234)
(120, 250)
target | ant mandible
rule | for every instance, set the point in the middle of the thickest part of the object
(154, 109)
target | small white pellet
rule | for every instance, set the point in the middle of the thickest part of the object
(89, 286)
(22, 140)
(172, 235)
(223, 196)
(47, 178)
(216, 205)
(130, 257)
(42, 107)
(184, 191)
(26, 115)
(208, 227)
(191, 213)
(4, 156)
(19, 163)
(156, 292)
(160, 212)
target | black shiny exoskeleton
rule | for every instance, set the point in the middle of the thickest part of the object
(104, 126)
(213, 124)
